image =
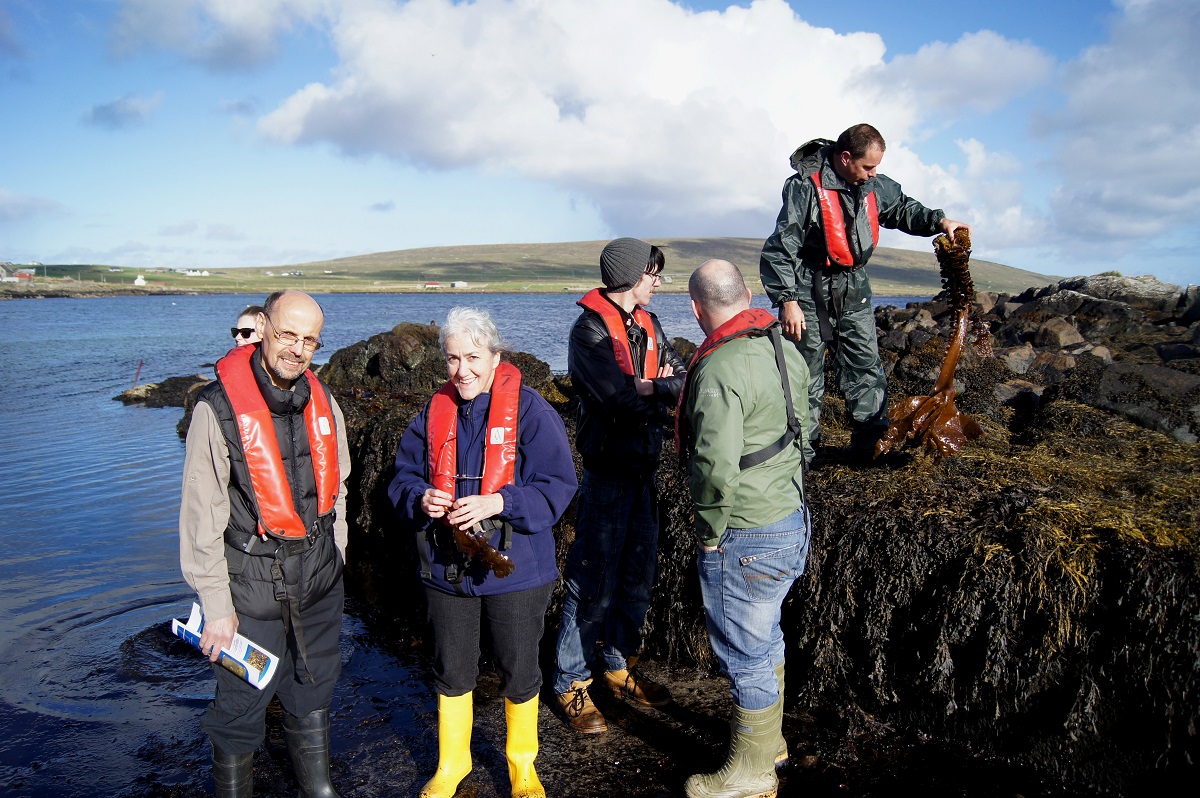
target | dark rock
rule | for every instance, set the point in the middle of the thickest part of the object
(1017, 358)
(1009, 391)
(1144, 293)
(1057, 333)
(1061, 303)
(405, 360)
(171, 392)
(1190, 312)
(1170, 352)
(1050, 367)
(1156, 397)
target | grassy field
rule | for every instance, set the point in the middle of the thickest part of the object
(510, 267)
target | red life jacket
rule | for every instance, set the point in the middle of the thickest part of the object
(594, 300)
(749, 322)
(837, 243)
(500, 447)
(277, 514)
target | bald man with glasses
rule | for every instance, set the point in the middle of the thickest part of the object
(262, 540)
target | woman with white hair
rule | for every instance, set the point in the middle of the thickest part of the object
(482, 474)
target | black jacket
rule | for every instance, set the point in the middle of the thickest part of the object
(619, 433)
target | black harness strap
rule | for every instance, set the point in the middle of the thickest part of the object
(794, 428)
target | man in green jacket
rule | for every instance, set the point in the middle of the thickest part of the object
(743, 432)
(812, 269)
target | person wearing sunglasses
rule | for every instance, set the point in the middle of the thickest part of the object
(246, 329)
(262, 540)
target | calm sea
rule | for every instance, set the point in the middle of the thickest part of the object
(89, 497)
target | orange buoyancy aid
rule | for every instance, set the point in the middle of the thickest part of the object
(837, 243)
(277, 514)
(611, 315)
(749, 322)
(500, 446)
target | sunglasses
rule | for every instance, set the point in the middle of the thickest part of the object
(245, 332)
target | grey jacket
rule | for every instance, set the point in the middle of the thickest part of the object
(798, 241)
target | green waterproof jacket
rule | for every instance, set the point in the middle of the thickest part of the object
(799, 238)
(735, 406)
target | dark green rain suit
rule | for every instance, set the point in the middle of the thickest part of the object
(836, 301)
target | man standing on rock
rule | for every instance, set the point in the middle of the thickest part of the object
(262, 540)
(628, 376)
(743, 431)
(812, 269)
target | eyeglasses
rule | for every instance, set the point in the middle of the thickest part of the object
(290, 339)
(245, 332)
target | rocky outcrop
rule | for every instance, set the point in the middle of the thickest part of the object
(171, 392)
(1035, 598)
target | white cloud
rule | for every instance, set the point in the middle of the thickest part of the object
(981, 70)
(1129, 131)
(180, 229)
(222, 34)
(123, 112)
(18, 207)
(223, 232)
(681, 122)
(668, 121)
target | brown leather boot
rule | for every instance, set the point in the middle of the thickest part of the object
(579, 711)
(632, 684)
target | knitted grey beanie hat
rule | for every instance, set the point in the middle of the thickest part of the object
(623, 262)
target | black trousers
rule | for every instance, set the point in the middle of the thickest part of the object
(235, 720)
(515, 620)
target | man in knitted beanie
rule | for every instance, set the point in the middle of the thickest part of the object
(628, 377)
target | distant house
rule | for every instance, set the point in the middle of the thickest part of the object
(114, 268)
(433, 284)
(139, 280)
(459, 284)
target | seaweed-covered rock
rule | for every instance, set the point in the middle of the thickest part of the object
(1035, 598)
(171, 392)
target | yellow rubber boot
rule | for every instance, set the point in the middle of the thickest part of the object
(522, 748)
(455, 718)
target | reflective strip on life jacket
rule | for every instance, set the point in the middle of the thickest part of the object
(500, 445)
(611, 315)
(837, 243)
(277, 514)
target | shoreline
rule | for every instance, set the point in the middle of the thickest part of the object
(10, 291)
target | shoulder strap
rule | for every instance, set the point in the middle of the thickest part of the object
(794, 428)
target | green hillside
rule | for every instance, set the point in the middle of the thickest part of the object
(508, 267)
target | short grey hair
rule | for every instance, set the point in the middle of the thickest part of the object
(472, 323)
(717, 284)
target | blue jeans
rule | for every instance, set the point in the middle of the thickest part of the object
(743, 583)
(609, 574)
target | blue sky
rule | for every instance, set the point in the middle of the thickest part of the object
(209, 133)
